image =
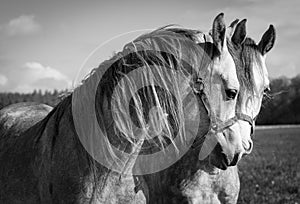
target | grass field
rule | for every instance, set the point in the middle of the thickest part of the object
(271, 174)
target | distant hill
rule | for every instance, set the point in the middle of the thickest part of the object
(281, 107)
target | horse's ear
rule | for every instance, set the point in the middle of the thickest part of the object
(267, 41)
(239, 34)
(218, 31)
(231, 28)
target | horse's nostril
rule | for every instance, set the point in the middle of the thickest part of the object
(249, 148)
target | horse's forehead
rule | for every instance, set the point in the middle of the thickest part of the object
(260, 73)
(265, 71)
(229, 73)
(226, 67)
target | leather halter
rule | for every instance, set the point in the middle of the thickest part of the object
(216, 124)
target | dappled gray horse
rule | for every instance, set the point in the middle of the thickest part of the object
(48, 163)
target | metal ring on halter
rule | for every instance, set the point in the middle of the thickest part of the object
(198, 86)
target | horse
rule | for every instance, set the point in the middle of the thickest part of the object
(48, 162)
(191, 180)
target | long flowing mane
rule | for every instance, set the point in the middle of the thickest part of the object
(200, 38)
(177, 50)
(57, 159)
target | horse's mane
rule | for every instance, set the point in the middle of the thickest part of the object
(170, 40)
(188, 33)
(193, 35)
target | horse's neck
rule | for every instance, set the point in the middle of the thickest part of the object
(67, 158)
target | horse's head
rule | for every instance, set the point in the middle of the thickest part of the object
(220, 92)
(249, 58)
(220, 80)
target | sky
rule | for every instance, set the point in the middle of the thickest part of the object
(44, 44)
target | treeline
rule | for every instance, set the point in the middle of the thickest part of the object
(48, 97)
(282, 106)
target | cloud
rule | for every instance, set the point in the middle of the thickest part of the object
(37, 76)
(39, 71)
(3, 80)
(23, 25)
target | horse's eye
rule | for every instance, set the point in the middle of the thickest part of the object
(267, 90)
(266, 93)
(231, 93)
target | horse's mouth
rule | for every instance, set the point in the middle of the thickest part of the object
(219, 159)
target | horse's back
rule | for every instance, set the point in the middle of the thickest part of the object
(17, 118)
